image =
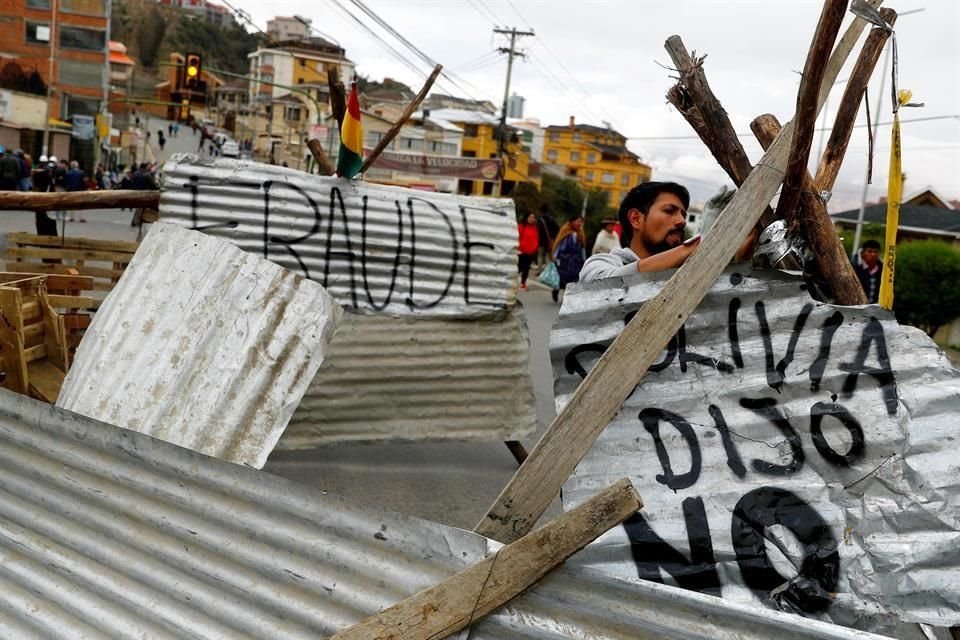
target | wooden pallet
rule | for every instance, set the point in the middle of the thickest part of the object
(102, 260)
(34, 351)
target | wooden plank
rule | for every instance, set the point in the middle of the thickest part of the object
(31, 331)
(73, 302)
(11, 305)
(69, 254)
(45, 380)
(808, 106)
(850, 104)
(76, 321)
(600, 395)
(316, 149)
(472, 593)
(39, 267)
(20, 238)
(28, 311)
(11, 354)
(817, 227)
(65, 283)
(63, 201)
(36, 352)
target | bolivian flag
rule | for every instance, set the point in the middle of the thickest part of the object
(351, 138)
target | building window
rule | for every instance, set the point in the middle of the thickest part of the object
(80, 74)
(607, 178)
(80, 38)
(554, 136)
(84, 7)
(469, 131)
(588, 176)
(38, 4)
(625, 180)
(552, 155)
(574, 156)
(292, 113)
(577, 137)
(266, 59)
(591, 158)
(299, 80)
(38, 33)
(469, 154)
(303, 63)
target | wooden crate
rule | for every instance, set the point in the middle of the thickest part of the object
(101, 260)
(34, 353)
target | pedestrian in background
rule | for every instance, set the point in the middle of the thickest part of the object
(42, 182)
(10, 171)
(607, 239)
(528, 231)
(75, 180)
(160, 139)
(26, 168)
(569, 252)
(869, 269)
(548, 229)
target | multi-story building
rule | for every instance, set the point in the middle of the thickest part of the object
(296, 66)
(284, 29)
(71, 39)
(481, 140)
(595, 157)
(121, 69)
(209, 11)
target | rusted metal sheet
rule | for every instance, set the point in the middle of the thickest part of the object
(203, 345)
(108, 533)
(788, 452)
(419, 379)
(375, 248)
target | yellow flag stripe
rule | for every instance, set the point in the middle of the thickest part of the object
(351, 135)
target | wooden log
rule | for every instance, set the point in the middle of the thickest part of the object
(817, 228)
(72, 201)
(805, 119)
(696, 102)
(598, 398)
(314, 145)
(472, 593)
(338, 97)
(395, 129)
(850, 104)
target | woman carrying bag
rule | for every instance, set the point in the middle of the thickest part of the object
(569, 253)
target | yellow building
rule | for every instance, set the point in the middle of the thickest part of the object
(480, 141)
(595, 157)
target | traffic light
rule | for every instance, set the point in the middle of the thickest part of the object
(184, 110)
(191, 71)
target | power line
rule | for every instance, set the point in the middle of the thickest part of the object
(486, 17)
(487, 55)
(750, 136)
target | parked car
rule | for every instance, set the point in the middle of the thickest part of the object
(230, 149)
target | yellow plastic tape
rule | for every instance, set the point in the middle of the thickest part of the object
(894, 194)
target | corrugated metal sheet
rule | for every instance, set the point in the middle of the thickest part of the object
(374, 248)
(411, 379)
(107, 533)
(454, 367)
(203, 345)
(784, 439)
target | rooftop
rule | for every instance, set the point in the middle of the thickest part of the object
(917, 217)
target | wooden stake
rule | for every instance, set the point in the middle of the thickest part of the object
(818, 229)
(468, 595)
(314, 145)
(395, 129)
(850, 104)
(696, 102)
(805, 119)
(597, 399)
(338, 97)
(76, 200)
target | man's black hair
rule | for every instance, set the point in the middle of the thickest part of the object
(641, 197)
(870, 244)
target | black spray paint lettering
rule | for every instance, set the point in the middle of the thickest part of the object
(872, 335)
(821, 410)
(767, 408)
(651, 419)
(816, 580)
(651, 553)
(777, 375)
(339, 219)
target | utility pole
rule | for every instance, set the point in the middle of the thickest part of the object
(53, 50)
(511, 54)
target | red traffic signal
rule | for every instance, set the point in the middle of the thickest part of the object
(191, 71)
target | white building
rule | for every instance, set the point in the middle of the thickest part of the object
(283, 29)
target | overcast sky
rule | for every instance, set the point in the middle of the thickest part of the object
(601, 60)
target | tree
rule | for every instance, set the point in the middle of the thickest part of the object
(927, 284)
(149, 34)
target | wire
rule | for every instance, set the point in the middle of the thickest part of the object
(484, 57)
(410, 65)
(750, 135)
(482, 15)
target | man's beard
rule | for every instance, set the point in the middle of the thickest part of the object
(665, 244)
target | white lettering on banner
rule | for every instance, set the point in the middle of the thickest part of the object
(788, 452)
(375, 248)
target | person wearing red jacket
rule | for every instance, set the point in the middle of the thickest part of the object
(529, 243)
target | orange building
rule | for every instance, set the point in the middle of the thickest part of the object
(77, 32)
